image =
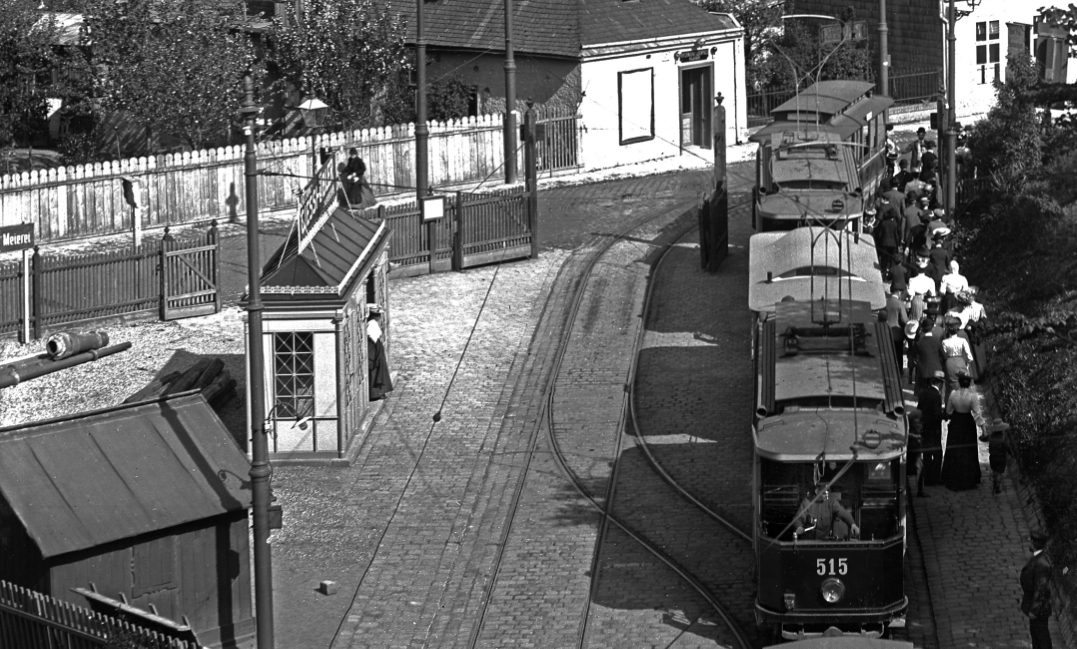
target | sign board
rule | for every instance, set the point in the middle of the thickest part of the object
(692, 55)
(16, 237)
(432, 208)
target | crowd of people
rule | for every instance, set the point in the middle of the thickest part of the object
(937, 325)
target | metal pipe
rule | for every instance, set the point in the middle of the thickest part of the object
(884, 52)
(260, 469)
(422, 130)
(510, 100)
(66, 343)
(951, 131)
(32, 368)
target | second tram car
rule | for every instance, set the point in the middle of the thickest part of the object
(829, 435)
(821, 157)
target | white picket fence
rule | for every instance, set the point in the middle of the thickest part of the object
(87, 200)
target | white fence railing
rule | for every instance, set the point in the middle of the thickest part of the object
(87, 200)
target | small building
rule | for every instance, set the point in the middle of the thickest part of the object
(141, 507)
(318, 289)
(642, 76)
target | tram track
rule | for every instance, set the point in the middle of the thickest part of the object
(605, 504)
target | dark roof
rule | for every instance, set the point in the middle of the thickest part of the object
(826, 97)
(327, 258)
(557, 27)
(82, 481)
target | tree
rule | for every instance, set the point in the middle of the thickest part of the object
(800, 57)
(175, 66)
(26, 58)
(449, 98)
(759, 18)
(1009, 141)
(349, 53)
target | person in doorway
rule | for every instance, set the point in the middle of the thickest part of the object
(378, 365)
(824, 517)
(1036, 587)
(961, 462)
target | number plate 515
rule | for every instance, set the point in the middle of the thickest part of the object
(831, 566)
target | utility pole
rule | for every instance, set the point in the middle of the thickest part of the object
(884, 52)
(422, 131)
(510, 100)
(951, 114)
(260, 468)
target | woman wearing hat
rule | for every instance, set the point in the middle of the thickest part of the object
(911, 331)
(961, 463)
(956, 351)
(357, 192)
(381, 383)
(952, 283)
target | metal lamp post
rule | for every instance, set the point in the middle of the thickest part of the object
(260, 469)
(951, 113)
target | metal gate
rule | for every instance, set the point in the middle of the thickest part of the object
(190, 277)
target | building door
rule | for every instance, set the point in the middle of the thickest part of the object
(695, 107)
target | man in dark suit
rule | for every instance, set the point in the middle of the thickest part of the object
(929, 358)
(1036, 584)
(930, 407)
(822, 515)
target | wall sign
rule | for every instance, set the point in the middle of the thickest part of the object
(16, 237)
(691, 55)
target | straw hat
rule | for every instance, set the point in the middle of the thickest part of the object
(911, 327)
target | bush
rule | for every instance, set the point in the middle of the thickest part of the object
(78, 148)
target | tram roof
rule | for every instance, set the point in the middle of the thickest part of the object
(787, 256)
(835, 374)
(808, 434)
(826, 97)
(833, 124)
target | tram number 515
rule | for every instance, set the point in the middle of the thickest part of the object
(832, 566)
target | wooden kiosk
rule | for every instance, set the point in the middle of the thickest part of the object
(318, 289)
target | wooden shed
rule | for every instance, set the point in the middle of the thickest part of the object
(142, 508)
(318, 290)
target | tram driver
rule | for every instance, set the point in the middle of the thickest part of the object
(823, 517)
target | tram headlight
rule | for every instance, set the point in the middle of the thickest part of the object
(833, 590)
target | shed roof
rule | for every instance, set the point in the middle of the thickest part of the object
(326, 259)
(558, 27)
(82, 481)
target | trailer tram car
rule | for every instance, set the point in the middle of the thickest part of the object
(821, 157)
(828, 409)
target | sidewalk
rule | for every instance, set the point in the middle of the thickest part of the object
(974, 545)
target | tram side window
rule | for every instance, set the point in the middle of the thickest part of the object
(782, 495)
(879, 500)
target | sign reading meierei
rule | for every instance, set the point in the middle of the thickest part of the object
(693, 55)
(16, 237)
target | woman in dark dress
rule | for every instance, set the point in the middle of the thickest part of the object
(961, 462)
(353, 177)
(380, 381)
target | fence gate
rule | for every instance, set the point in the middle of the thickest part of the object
(190, 279)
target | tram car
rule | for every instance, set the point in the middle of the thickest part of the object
(812, 263)
(821, 157)
(844, 642)
(829, 499)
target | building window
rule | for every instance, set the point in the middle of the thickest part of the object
(293, 369)
(988, 60)
(635, 105)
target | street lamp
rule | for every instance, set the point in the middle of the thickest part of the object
(953, 15)
(314, 112)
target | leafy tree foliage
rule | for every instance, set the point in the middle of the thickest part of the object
(26, 56)
(759, 18)
(800, 57)
(448, 98)
(348, 53)
(174, 66)
(1009, 142)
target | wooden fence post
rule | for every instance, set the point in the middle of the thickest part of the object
(162, 269)
(35, 291)
(458, 234)
(530, 161)
(214, 239)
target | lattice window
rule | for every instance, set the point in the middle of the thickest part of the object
(988, 52)
(293, 369)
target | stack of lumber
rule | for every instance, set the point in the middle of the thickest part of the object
(207, 375)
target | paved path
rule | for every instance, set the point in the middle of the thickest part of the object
(974, 546)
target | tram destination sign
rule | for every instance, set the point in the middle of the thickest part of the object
(16, 237)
